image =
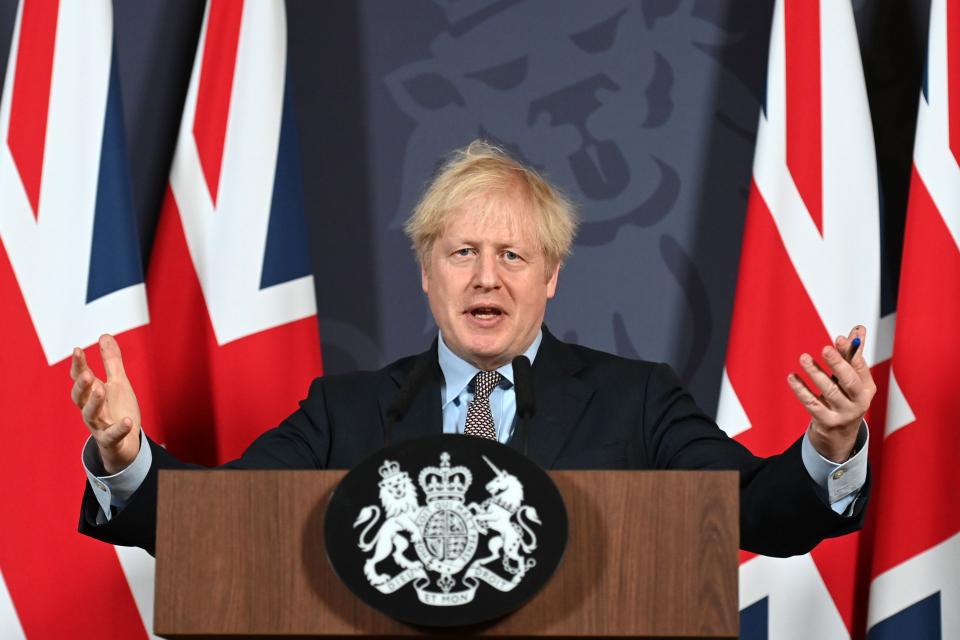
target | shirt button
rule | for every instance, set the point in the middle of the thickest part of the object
(100, 486)
(838, 474)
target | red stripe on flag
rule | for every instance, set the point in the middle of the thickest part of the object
(802, 44)
(918, 502)
(170, 263)
(63, 584)
(228, 394)
(216, 84)
(836, 561)
(31, 94)
(953, 75)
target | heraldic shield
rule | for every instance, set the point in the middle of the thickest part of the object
(446, 530)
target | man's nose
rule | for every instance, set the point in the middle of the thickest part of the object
(487, 275)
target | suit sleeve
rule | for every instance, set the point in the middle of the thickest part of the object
(781, 510)
(301, 441)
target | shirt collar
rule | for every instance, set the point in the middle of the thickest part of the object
(457, 372)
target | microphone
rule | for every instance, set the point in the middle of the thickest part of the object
(523, 389)
(418, 376)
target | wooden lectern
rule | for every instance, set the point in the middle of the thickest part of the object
(651, 554)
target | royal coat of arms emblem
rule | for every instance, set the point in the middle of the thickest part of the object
(447, 547)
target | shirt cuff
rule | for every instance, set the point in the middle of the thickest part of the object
(117, 489)
(840, 481)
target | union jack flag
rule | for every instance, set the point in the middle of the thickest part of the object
(230, 342)
(810, 269)
(70, 270)
(230, 281)
(916, 559)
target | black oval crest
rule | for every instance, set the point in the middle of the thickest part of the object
(445, 530)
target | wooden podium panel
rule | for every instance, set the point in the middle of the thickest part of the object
(650, 554)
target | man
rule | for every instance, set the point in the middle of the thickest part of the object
(491, 236)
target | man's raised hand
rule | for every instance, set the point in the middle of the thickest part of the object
(110, 408)
(844, 398)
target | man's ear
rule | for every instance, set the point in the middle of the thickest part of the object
(552, 281)
(424, 278)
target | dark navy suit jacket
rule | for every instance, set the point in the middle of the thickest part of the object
(594, 411)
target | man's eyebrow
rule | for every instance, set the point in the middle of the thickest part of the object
(517, 243)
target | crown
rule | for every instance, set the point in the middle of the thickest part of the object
(445, 482)
(388, 469)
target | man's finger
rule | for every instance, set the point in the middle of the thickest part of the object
(831, 395)
(858, 331)
(78, 363)
(80, 392)
(843, 344)
(112, 435)
(91, 409)
(112, 358)
(859, 362)
(809, 400)
(844, 375)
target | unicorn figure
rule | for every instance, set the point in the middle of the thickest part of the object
(504, 513)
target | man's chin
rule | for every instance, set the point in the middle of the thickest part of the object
(488, 356)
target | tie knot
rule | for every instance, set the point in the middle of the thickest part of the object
(484, 382)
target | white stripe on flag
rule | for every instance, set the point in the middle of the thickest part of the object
(799, 605)
(731, 416)
(899, 413)
(10, 628)
(139, 567)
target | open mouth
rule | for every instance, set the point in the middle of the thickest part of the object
(481, 312)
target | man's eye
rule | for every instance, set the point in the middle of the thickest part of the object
(510, 256)
(462, 252)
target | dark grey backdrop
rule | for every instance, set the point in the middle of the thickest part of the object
(643, 111)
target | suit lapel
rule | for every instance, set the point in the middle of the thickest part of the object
(424, 417)
(560, 397)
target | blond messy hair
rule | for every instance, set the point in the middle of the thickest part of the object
(482, 168)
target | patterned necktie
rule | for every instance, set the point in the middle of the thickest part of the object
(479, 419)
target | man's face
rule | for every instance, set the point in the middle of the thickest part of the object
(487, 280)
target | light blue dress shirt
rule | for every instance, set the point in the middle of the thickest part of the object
(456, 394)
(840, 483)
